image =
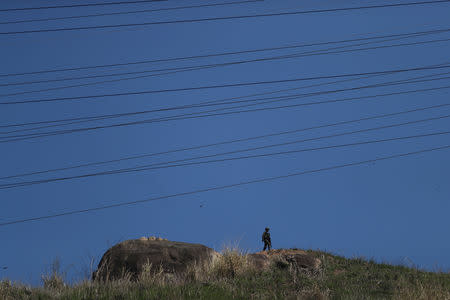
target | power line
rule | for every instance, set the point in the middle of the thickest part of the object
(170, 71)
(293, 55)
(188, 69)
(226, 142)
(382, 39)
(65, 29)
(139, 169)
(180, 162)
(241, 84)
(259, 101)
(224, 53)
(201, 104)
(208, 66)
(177, 107)
(222, 187)
(40, 135)
(181, 107)
(220, 103)
(79, 5)
(204, 114)
(130, 12)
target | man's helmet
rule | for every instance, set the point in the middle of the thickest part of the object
(267, 228)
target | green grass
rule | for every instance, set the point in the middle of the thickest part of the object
(231, 277)
(360, 278)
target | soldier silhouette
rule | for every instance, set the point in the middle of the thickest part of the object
(266, 239)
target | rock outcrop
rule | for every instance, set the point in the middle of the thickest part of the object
(130, 257)
(298, 259)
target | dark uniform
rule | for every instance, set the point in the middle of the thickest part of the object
(266, 240)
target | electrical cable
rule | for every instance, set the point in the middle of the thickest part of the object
(185, 21)
(220, 65)
(223, 187)
(101, 117)
(79, 5)
(178, 163)
(197, 67)
(241, 84)
(223, 100)
(196, 115)
(233, 141)
(130, 12)
(219, 103)
(187, 69)
(40, 135)
(223, 53)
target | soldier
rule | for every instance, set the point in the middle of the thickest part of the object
(266, 239)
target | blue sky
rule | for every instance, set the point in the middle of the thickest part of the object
(395, 210)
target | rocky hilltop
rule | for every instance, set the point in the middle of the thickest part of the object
(155, 268)
(133, 256)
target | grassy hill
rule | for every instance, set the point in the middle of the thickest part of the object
(231, 277)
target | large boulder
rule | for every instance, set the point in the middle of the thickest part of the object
(130, 257)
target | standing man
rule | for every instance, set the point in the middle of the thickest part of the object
(266, 239)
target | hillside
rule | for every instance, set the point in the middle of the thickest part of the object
(232, 277)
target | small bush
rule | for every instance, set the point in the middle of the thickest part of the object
(232, 262)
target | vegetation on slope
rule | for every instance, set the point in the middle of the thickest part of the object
(232, 277)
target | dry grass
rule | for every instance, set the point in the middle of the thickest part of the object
(232, 262)
(422, 290)
(54, 279)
